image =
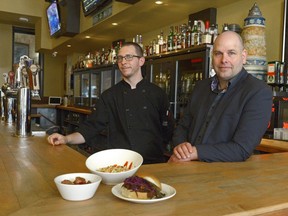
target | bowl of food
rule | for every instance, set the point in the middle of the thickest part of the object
(77, 186)
(114, 165)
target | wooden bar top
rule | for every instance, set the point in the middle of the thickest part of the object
(28, 166)
(266, 145)
(273, 146)
(42, 106)
(75, 109)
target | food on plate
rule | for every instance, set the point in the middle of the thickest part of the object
(142, 186)
(116, 168)
(78, 180)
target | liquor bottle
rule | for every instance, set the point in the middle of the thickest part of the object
(175, 38)
(146, 51)
(136, 40)
(165, 44)
(183, 30)
(102, 61)
(113, 56)
(151, 51)
(117, 47)
(170, 40)
(106, 56)
(179, 38)
(206, 36)
(157, 48)
(194, 31)
(161, 42)
(213, 31)
(154, 46)
(98, 57)
(225, 27)
(198, 35)
(140, 42)
(216, 33)
(188, 35)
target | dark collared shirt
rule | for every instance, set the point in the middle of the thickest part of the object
(219, 93)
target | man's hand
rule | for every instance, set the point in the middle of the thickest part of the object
(57, 139)
(184, 152)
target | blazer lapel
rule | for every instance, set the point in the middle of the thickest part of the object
(222, 104)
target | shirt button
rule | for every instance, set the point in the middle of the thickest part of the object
(144, 107)
(127, 110)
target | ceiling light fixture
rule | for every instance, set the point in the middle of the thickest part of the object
(158, 2)
(54, 54)
(87, 36)
(114, 24)
(68, 45)
(23, 19)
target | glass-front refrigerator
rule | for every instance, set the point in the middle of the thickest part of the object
(85, 85)
(162, 73)
(101, 80)
(90, 83)
(76, 89)
(190, 69)
(95, 89)
(81, 88)
(117, 75)
(106, 79)
(177, 74)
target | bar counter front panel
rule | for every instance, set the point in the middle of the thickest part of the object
(28, 167)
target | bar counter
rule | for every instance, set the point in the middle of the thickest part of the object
(28, 166)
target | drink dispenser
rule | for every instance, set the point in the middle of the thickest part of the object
(19, 88)
(23, 123)
(9, 109)
(9, 103)
(1, 106)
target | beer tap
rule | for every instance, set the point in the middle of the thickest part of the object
(11, 75)
(5, 77)
(5, 85)
(23, 63)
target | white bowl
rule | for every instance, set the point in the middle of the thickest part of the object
(110, 157)
(77, 192)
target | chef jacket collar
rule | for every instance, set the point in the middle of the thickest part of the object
(127, 85)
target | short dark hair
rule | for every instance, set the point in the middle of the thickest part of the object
(139, 50)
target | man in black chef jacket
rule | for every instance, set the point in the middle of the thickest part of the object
(227, 114)
(134, 113)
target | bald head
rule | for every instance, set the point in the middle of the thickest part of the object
(230, 36)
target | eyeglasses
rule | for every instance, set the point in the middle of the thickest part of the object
(126, 57)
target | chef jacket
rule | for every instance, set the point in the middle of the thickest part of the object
(138, 119)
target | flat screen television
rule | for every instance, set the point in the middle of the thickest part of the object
(93, 6)
(54, 19)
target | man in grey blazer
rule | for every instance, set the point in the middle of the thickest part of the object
(227, 114)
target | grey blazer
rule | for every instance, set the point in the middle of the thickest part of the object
(237, 125)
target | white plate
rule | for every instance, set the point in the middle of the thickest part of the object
(166, 189)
